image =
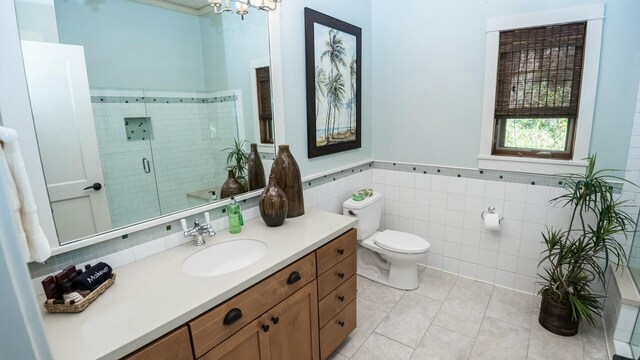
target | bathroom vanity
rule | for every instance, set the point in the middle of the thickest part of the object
(297, 302)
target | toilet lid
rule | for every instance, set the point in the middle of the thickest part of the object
(401, 242)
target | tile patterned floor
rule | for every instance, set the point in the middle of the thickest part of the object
(450, 317)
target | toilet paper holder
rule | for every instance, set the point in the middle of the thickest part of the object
(490, 210)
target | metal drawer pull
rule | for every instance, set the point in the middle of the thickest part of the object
(275, 320)
(341, 323)
(341, 298)
(265, 327)
(294, 278)
(232, 316)
(341, 275)
(340, 251)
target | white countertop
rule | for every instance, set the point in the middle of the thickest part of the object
(154, 296)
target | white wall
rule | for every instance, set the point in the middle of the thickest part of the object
(428, 65)
(356, 12)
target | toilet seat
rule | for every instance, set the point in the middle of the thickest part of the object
(401, 242)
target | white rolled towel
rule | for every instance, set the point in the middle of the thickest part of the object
(33, 240)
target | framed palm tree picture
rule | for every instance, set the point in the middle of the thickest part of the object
(333, 52)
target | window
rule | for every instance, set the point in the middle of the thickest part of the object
(540, 82)
(265, 115)
(538, 90)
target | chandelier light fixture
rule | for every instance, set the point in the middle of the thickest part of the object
(242, 6)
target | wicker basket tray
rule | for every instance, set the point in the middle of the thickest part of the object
(84, 303)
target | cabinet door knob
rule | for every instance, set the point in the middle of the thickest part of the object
(275, 319)
(341, 251)
(232, 316)
(341, 323)
(265, 327)
(341, 275)
(294, 278)
(341, 298)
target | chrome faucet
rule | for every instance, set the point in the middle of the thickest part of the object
(198, 231)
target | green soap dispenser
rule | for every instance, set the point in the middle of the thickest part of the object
(235, 217)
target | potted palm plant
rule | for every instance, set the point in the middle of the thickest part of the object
(576, 257)
(237, 160)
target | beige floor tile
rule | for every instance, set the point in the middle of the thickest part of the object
(500, 340)
(544, 345)
(462, 311)
(594, 346)
(363, 283)
(409, 319)
(511, 306)
(474, 285)
(435, 284)
(382, 294)
(369, 315)
(442, 344)
(337, 356)
(378, 347)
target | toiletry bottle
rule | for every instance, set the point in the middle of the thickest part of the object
(235, 217)
(213, 196)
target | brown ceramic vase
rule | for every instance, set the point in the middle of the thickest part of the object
(273, 204)
(255, 169)
(231, 186)
(287, 175)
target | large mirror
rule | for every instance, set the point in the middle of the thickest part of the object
(138, 104)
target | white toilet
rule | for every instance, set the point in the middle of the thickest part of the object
(388, 257)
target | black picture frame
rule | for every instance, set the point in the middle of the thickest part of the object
(349, 99)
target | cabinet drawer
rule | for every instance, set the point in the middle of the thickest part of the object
(337, 300)
(175, 346)
(209, 329)
(337, 330)
(336, 276)
(337, 250)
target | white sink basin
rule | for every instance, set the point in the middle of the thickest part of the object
(225, 257)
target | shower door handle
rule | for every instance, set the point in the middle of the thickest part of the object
(146, 166)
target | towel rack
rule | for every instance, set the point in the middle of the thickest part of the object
(8, 135)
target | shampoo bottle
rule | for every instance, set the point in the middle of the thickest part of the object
(235, 217)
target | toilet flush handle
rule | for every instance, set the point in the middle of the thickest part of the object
(353, 213)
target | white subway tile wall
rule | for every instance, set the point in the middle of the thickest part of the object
(633, 174)
(446, 211)
(185, 152)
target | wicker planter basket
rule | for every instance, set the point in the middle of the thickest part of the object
(556, 317)
(83, 304)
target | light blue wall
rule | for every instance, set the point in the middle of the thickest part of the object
(230, 44)
(132, 45)
(428, 78)
(356, 12)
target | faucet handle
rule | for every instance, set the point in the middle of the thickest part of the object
(196, 223)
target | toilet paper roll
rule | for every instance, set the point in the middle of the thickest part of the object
(492, 222)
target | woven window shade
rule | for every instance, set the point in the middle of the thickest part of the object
(539, 71)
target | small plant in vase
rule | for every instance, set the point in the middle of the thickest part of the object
(576, 257)
(237, 161)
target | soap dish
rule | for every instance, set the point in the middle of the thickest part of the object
(82, 304)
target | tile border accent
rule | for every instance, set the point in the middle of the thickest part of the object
(161, 100)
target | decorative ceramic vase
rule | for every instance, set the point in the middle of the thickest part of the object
(273, 204)
(255, 169)
(287, 175)
(231, 186)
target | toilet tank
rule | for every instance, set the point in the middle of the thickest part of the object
(368, 212)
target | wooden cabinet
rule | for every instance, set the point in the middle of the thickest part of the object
(302, 312)
(218, 324)
(287, 331)
(337, 265)
(174, 346)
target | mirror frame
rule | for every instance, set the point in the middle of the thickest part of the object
(16, 109)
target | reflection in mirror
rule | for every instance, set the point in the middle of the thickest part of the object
(137, 106)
